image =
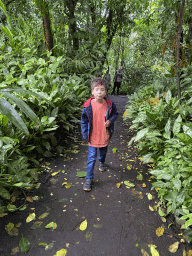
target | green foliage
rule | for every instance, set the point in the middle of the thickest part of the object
(164, 136)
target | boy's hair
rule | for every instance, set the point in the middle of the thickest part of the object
(98, 81)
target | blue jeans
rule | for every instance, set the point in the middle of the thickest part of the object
(92, 155)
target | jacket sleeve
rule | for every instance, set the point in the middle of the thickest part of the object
(114, 113)
(84, 124)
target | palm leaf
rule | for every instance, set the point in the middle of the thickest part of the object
(7, 109)
(24, 108)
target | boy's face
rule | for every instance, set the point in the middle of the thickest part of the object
(99, 92)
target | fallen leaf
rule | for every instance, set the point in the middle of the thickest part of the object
(30, 217)
(52, 225)
(11, 229)
(24, 244)
(43, 216)
(54, 173)
(163, 219)
(68, 185)
(154, 252)
(128, 184)
(29, 199)
(160, 231)
(129, 167)
(15, 250)
(83, 225)
(140, 177)
(144, 185)
(97, 226)
(49, 246)
(174, 247)
(118, 185)
(88, 236)
(151, 208)
(114, 150)
(150, 197)
(23, 208)
(61, 252)
(35, 198)
(144, 253)
(37, 224)
(82, 174)
(42, 244)
(187, 253)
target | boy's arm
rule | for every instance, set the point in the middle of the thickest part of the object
(84, 124)
(114, 113)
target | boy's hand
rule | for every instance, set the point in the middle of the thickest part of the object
(107, 123)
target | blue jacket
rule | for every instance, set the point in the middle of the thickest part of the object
(86, 117)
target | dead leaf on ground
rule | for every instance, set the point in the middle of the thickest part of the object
(187, 253)
(160, 231)
(11, 229)
(150, 197)
(15, 250)
(83, 225)
(52, 225)
(144, 253)
(30, 217)
(118, 185)
(88, 236)
(37, 224)
(153, 250)
(174, 247)
(61, 252)
(43, 216)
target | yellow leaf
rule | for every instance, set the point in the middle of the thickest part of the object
(125, 113)
(61, 252)
(144, 253)
(30, 217)
(54, 173)
(83, 225)
(174, 247)
(154, 252)
(160, 231)
(29, 199)
(118, 185)
(150, 197)
(163, 219)
(68, 185)
(144, 185)
(151, 208)
(52, 225)
(129, 167)
(187, 253)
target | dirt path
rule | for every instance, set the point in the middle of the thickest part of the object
(119, 220)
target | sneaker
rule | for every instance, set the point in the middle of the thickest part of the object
(102, 167)
(87, 185)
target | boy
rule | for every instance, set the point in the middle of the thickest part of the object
(97, 125)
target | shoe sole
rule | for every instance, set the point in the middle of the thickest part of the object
(88, 190)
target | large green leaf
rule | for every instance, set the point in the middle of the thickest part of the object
(168, 96)
(17, 89)
(24, 244)
(7, 109)
(4, 193)
(141, 134)
(177, 125)
(23, 107)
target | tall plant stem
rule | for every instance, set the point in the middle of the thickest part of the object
(178, 47)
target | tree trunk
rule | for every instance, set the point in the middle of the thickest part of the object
(178, 47)
(47, 30)
(71, 4)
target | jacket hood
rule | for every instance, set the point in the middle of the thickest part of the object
(88, 102)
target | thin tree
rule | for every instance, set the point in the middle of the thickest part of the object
(178, 47)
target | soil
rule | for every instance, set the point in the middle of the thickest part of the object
(120, 222)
